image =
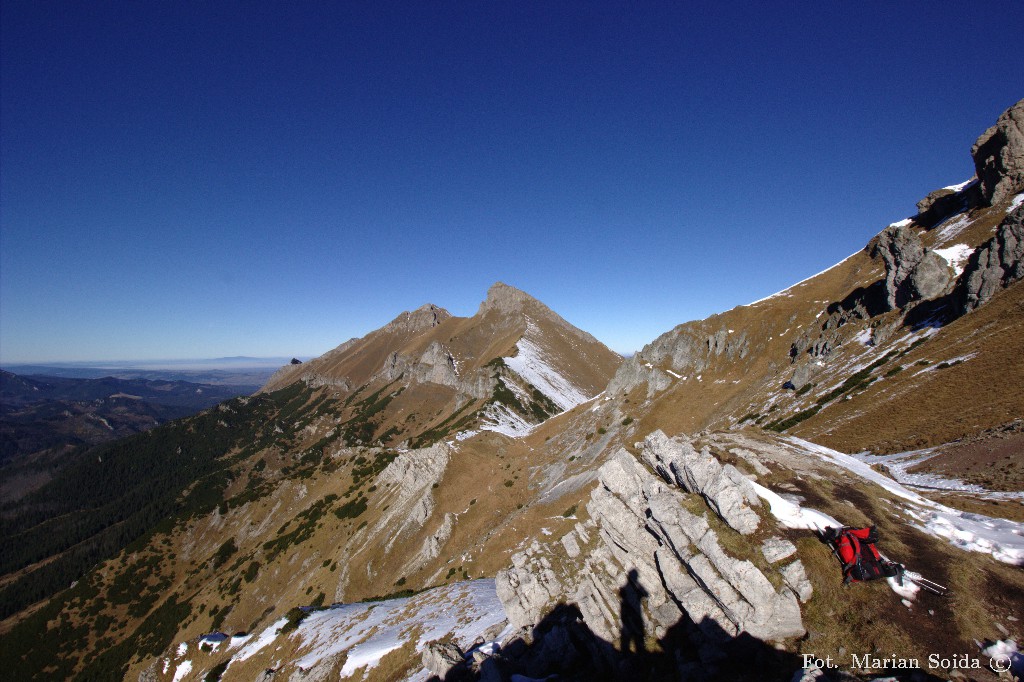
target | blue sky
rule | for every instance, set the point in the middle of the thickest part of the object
(215, 179)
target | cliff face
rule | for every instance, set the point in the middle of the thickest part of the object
(999, 157)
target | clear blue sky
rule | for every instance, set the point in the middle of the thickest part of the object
(203, 179)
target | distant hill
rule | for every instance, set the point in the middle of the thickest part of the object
(244, 373)
(44, 417)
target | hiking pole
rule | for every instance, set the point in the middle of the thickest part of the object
(924, 583)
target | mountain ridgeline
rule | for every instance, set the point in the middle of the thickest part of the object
(501, 495)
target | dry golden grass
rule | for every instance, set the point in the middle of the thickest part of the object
(910, 411)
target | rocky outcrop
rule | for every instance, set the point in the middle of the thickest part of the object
(317, 380)
(688, 349)
(999, 156)
(912, 272)
(424, 317)
(409, 481)
(440, 657)
(948, 201)
(994, 265)
(647, 549)
(724, 488)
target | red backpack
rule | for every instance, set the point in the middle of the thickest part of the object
(855, 547)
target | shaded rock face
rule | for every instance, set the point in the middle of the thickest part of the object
(912, 272)
(994, 265)
(942, 203)
(999, 156)
(645, 560)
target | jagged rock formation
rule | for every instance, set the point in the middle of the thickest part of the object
(999, 156)
(912, 272)
(724, 488)
(994, 265)
(644, 542)
(689, 348)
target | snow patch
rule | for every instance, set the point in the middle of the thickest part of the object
(183, 669)
(534, 364)
(951, 227)
(900, 463)
(963, 185)
(1015, 204)
(1001, 538)
(791, 514)
(498, 417)
(367, 632)
(956, 256)
(265, 638)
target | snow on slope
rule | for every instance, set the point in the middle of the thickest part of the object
(533, 364)
(1003, 539)
(900, 463)
(368, 631)
(956, 256)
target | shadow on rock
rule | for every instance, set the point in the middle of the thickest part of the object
(563, 647)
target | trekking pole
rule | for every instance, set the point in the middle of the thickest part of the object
(924, 583)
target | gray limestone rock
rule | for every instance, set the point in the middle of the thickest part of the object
(724, 488)
(931, 278)
(440, 657)
(777, 549)
(432, 545)
(999, 156)
(796, 577)
(803, 373)
(912, 272)
(994, 265)
(572, 548)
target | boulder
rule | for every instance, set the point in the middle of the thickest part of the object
(931, 278)
(440, 657)
(796, 578)
(777, 549)
(912, 272)
(999, 156)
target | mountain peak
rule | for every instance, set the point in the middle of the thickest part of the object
(507, 299)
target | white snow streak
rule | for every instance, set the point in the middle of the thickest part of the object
(533, 364)
(1015, 204)
(791, 514)
(1001, 538)
(900, 463)
(504, 420)
(183, 669)
(963, 185)
(953, 227)
(956, 256)
(785, 292)
(265, 638)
